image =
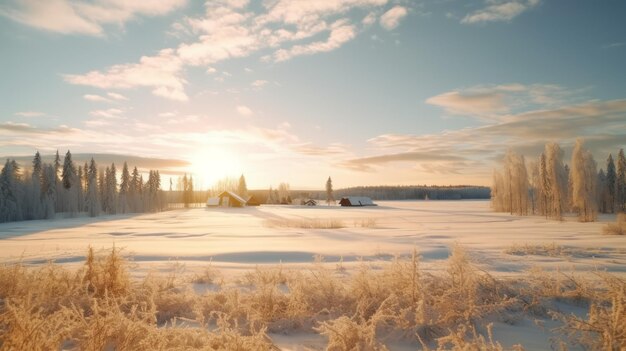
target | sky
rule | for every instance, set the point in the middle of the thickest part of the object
(369, 92)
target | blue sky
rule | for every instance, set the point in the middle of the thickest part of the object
(367, 91)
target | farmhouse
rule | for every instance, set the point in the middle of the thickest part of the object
(356, 201)
(226, 199)
(253, 201)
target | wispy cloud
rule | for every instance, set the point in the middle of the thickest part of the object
(499, 11)
(66, 16)
(391, 19)
(476, 148)
(109, 113)
(495, 101)
(244, 110)
(234, 29)
(259, 83)
(30, 114)
(163, 73)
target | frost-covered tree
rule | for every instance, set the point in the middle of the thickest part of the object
(610, 183)
(510, 190)
(10, 193)
(49, 190)
(134, 191)
(92, 203)
(69, 182)
(584, 183)
(80, 189)
(284, 193)
(124, 189)
(270, 196)
(620, 181)
(57, 183)
(329, 191)
(242, 188)
(102, 186)
(602, 193)
(34, 198)
(556, 181)
(111, 189)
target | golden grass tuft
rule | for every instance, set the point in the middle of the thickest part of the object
(100, 307)
(617, 228)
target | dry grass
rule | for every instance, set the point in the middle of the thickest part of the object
(99, 307)
(306, 223)
(617, 228)
(552, 250)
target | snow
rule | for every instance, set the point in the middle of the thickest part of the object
(235, 240)
(241, 238)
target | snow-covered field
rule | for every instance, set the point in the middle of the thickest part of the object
(237, 240)
(241, 238)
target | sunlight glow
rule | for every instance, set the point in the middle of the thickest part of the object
(213, 164)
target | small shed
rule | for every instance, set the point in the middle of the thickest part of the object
(356, 201)
(230, 199)
(310, 202)
(253, 201)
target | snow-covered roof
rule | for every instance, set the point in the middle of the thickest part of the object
(233, 195)
(359, 200)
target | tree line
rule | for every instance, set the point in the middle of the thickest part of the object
(549, 187)
(62, 187)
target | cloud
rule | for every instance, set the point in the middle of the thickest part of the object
(309, 149)
(494, 101)
(95, 98)
(26, 128)
(391, 19)
(369, 19)
(162, 73)
(244, 110)
(499, 11)
(74, 17)
(259, 83)
(339, 35)
(230, 30)
(117, 96)
(472, 104)
(110, 113)
(30, 114)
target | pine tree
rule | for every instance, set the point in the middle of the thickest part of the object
(134, 190)
(35, 197)
(111, 189)
(329, 191)
(68, 175)
(242, 188)
(92, 203)
(69, 183)
(49, 191)
(620, 181)
(611, 179)
(124, 189)
(10, 193)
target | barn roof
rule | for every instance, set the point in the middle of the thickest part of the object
(232, 195)
(357, 201)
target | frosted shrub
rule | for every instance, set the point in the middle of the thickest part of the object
(617, 228)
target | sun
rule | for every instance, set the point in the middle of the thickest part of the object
(213, 164)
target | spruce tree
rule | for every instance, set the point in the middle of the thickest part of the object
(242, 188)
(329, 191)
(611, 178)
(620, 182)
